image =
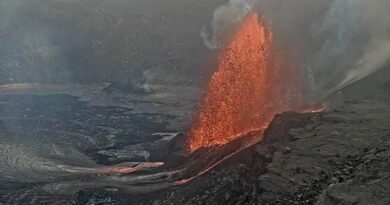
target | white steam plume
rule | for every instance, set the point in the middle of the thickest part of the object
(358, 42)
(225, 19)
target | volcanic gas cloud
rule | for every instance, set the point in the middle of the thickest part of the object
(252, 82)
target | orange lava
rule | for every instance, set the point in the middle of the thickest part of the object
(250, 85)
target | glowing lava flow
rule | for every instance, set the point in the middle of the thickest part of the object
(240, 96)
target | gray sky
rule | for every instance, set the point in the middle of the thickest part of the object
(341, 41)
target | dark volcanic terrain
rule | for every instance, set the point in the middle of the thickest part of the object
(336, 157)
(340, 156)
(50, 142)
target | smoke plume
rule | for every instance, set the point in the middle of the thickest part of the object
(338, 41)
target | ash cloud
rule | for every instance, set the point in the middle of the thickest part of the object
(339, 41)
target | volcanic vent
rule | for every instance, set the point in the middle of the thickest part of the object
(251, 83)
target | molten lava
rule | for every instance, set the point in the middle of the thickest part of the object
(250, 85)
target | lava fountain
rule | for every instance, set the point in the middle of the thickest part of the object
(250, 85)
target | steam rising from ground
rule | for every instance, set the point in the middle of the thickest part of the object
(339, 41)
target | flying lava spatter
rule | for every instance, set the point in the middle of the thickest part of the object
(245, 91)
